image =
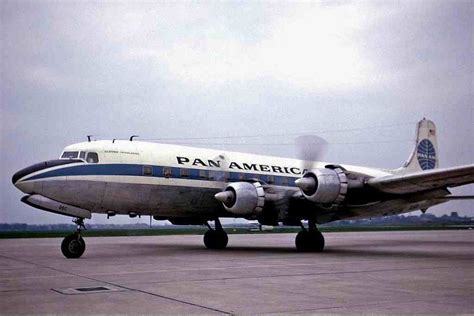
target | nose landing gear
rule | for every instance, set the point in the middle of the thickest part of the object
(73, 246)
(309, 240)
(216, 238)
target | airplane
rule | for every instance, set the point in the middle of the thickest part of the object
(195, 186)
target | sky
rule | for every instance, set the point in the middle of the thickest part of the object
(358, 74)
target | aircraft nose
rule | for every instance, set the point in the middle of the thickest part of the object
(26, 187)
(22, 186)
(18, 175)
(21, 180)
(26, 171)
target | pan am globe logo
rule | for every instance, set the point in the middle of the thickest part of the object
(426, 155)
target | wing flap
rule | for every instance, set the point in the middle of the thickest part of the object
(424, 180)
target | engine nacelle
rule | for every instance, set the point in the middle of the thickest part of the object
(242, 198)
(324, 186)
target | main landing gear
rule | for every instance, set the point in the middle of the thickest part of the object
(309, 240)
(73, 246)
(216, 238)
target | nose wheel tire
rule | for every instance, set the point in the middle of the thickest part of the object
(73, 246)
(216, 239)
(309, 241)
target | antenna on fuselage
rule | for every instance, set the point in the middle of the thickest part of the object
(89, 138)
(131, 137)
(113, 141)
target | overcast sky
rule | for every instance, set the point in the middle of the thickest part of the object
(180, 70)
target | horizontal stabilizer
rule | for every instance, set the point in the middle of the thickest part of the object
(424, 180)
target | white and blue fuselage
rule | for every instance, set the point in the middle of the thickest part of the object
(167, 181)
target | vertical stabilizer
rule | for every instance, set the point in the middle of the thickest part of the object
(425, 153)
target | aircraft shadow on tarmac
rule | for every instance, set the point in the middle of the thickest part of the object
(387, 248)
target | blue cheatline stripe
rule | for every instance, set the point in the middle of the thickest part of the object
(159, 172)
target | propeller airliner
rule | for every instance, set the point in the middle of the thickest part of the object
(191, 186)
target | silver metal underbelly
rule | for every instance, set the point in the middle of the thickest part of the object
(122, 198)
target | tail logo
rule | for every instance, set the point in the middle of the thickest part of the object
(426, 155)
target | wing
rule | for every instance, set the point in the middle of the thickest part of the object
(424, 180)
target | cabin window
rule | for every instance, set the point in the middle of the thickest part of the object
(203, 174)
(147, 170)
(82, 155)
(70, 154)
(92, 158)
(167, 172)
(234, 176)
(254, 176)
(184, 173)
(218, 176)
(267, 179)
(213, 175)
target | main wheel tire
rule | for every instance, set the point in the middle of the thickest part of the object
(215, 239)
(309, 241)
(301, 241)
(317, 240)
(73, 246)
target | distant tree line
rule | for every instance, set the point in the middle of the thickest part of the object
(395, 220)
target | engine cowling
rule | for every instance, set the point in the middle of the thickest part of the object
(324, 186)
(242, 198)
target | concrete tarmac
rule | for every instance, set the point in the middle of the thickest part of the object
(370, 272)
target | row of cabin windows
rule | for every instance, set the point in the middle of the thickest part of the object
(89, 157)
(216, 175)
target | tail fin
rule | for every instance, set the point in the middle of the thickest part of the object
(425, 153)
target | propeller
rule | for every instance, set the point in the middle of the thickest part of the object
(309, 149)
(219, 173)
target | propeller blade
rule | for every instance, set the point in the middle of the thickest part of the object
(310, 148)
(219, 173)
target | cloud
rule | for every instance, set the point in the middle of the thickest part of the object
(47, 78)
(303, 48)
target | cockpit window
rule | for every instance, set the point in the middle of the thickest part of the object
(92, 158)
(82, 155)
(70, 154)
